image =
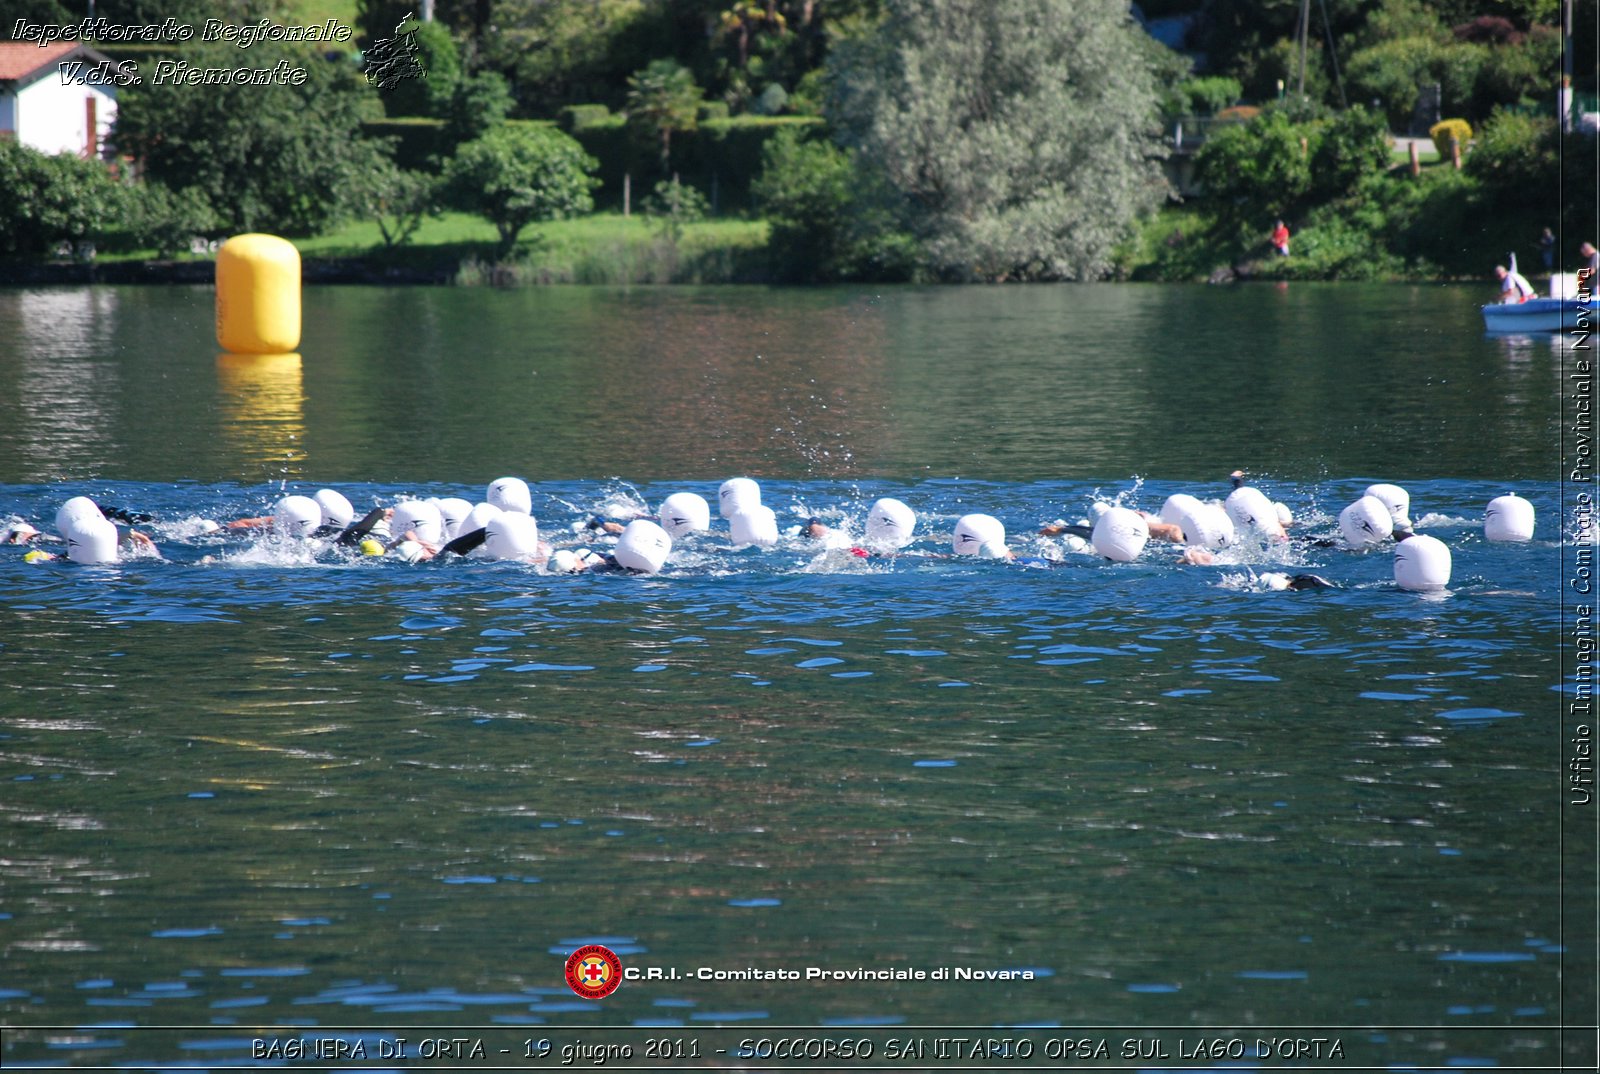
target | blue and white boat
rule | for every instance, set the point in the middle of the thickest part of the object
(1563, 310)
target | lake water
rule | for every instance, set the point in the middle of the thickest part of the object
(257, 792)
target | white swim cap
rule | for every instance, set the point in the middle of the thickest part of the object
(511, 535)
(420, 517)
(755, 525)
(1421, 563)
(1120, 534)
(1285, 516)
(1366, 522)
(643, 546)
(684, 513)
(296, 516)
(91, 539)
(890, 524)
(510, 494)
(477, 518)
(452, 512)
(336, 510)
(410, 551)
(737, 494)
(1172, 510)
(1508, 518)
(1206, 525)
(972, 532)
(78, 507)
(1251, 511)
(1396, 500)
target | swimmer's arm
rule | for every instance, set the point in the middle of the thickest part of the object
(1162, 531)
(466, 542)
(356, 532)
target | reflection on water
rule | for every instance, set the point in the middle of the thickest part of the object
(66, 388)
(1306, 382)
(262, 412)
(254, 783)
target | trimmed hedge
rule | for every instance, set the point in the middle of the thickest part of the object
(419, 141)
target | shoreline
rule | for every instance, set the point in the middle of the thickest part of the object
(367, 272)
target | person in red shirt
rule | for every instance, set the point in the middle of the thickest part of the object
(1280, 239)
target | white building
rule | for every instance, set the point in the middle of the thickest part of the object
(61, 98)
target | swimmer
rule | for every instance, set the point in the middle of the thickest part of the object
(20, 532)
(1251, 510)
(91, 537)
(1170, 532)
(1421, 563)
(1296, 582)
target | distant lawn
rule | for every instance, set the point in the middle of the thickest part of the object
(601, 248)
(309, 12)
(1401, 155)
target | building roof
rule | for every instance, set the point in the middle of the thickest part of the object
(22, 64)
(19, 59)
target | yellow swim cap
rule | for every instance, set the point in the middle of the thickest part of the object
(371, 547)
(38, 555)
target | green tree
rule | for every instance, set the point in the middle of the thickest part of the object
(662, 98)
(1346, 150)
(1020, 134)
(1391, 72)
(827, 218)
(53, 199)
(1255, 172)
(266, 157)
(476, 104)
(441, 61)
(514, 177)
(396, 200)
(561, 52)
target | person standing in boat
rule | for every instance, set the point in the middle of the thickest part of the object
(1280, 239)
(1514, 286)
(1591, 262)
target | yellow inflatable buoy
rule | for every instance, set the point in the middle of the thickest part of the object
(258, 295)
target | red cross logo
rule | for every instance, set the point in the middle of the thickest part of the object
(593, 971)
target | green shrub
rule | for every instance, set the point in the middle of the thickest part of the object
(166, 222)
(827, 222)
(577, 117)
(430, 96)
(1516, 159)
(1209, 95)
(1393, 71)
(53, 199)
(674, 205)
(1447, 134)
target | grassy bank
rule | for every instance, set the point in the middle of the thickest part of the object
(605, 248)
